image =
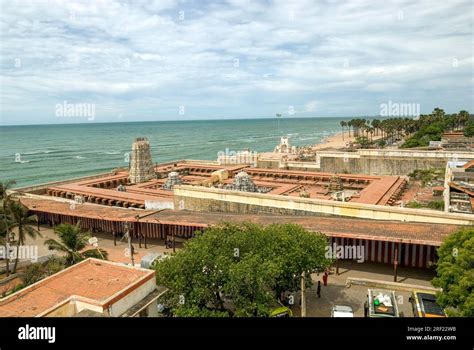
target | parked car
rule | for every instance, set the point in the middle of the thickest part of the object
(424, 304)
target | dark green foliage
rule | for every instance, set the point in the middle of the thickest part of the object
(425, 175)
(37, 271)
(415, 132)
(469, 129)
(455, 273)
(436, 205)
(240, 270)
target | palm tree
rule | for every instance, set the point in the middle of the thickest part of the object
(343, 124)
(463, 117)
(72, 241)
(5, 199)
(25, 223)
(376, 125)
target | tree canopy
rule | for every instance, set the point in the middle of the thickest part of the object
(240, 270)
(416, 132)
(455, 273)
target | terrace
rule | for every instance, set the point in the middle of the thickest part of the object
(381, 190)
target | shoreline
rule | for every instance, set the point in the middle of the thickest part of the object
(337, 141)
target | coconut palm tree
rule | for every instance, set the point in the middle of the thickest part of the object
(25, 223)
(5, 199)
(72, 241)
(376, 125)
(463, 118)
(349, 125)
(343, 124)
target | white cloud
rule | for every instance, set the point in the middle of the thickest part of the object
(133, 54)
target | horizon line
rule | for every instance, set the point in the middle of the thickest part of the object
(187, 120)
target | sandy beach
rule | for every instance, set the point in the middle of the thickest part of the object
(337, 141)
(334, 141)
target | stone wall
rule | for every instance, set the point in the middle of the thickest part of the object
(379, 166)
(213, 205)
(385, 162)
(198, 198)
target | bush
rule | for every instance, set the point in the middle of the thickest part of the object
(381, 143)
(414, 205)
(425, 175)
(37, 271)
(436, 205)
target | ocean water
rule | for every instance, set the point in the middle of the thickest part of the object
(43, 153)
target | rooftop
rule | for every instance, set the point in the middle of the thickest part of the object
(95, 281)
(394, 231)
(367, 189)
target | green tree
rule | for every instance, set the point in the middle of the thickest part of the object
(455, 273)
(5, 230)
(363, 141)
(72, 241)
(25, 224)
(240, 270)
(469, 129)
(343, 124)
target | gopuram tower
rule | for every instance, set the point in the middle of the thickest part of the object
(141, 165)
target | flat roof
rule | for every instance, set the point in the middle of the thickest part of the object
(97, 280)
(370, 189)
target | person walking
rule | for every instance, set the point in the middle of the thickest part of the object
(318, 290)
(325, 278)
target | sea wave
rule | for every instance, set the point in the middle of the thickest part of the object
(36, 152)
(309, 138)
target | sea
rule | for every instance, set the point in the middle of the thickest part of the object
(36, 154)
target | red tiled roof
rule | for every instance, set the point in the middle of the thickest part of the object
(469, 164)
(93, 279)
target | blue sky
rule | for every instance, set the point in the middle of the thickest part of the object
(172, 60)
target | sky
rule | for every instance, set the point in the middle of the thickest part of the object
(116, 61)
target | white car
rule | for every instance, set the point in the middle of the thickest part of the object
(342, 311)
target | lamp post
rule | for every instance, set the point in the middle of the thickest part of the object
(395, 264)
(129, 238)
(303, 295)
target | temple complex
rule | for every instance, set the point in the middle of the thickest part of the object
(117, 189)
(182, 197)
